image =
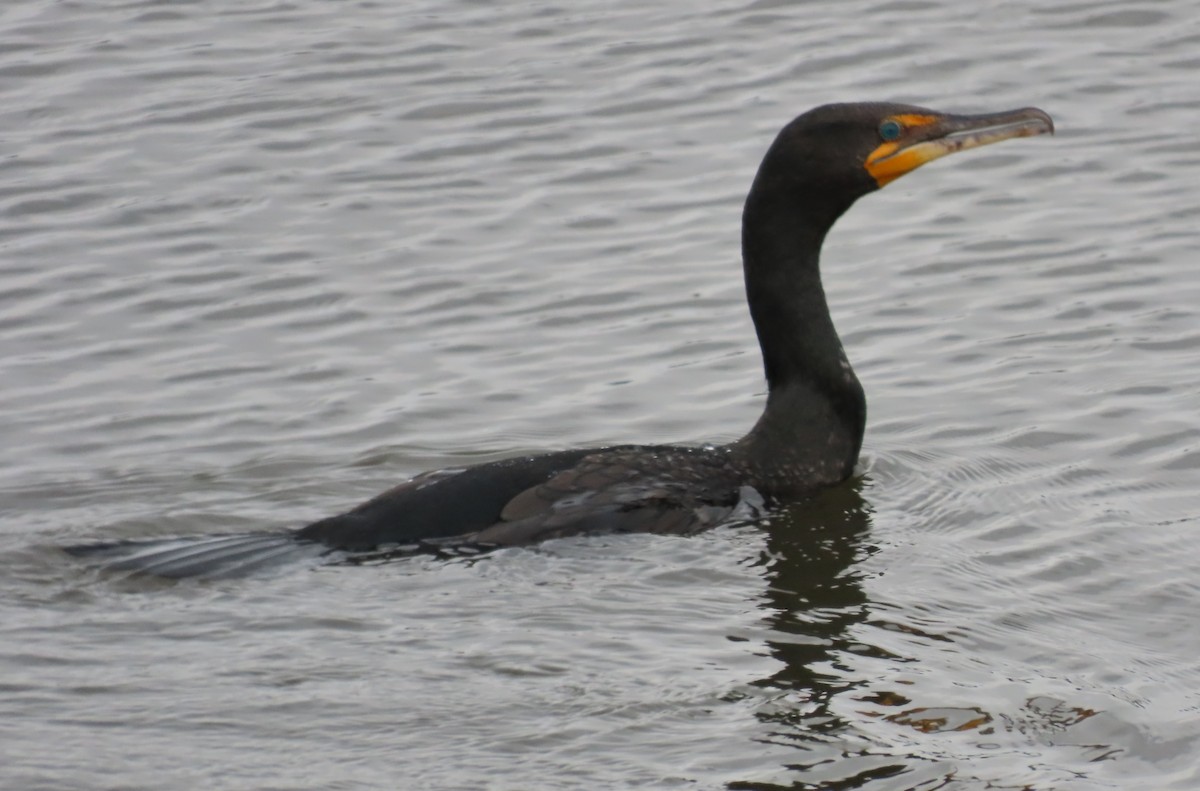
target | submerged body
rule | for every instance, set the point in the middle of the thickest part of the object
(807, 439)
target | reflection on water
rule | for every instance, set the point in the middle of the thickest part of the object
(856, 711)
(812, 599)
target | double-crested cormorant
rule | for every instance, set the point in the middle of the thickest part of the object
(808, 437)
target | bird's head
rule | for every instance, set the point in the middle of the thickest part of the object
(836, 153)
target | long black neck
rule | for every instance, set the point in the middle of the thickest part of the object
(811, 430)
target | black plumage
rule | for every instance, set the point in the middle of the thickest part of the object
(807, 439)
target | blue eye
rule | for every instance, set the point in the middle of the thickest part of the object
(890, 130)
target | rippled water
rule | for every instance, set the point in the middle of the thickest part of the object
(259, 261)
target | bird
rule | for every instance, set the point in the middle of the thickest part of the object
(807, 439)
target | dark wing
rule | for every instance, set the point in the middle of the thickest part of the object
(503, 503)
(430, 506)
(439, 505)
(639, 490)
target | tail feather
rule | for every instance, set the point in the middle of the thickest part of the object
(213, 556)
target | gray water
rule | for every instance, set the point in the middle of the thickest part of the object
(260, 261)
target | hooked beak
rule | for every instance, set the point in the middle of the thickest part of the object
(928, 137)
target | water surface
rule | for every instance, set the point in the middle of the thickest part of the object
(260, 261)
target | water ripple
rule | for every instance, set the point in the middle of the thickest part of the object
(261, 260)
